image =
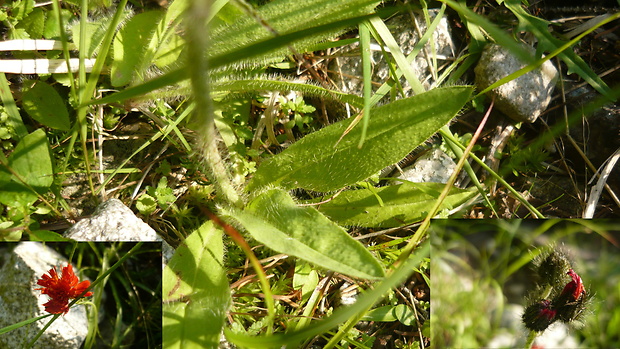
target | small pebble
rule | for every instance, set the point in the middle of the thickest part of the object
(524, 98)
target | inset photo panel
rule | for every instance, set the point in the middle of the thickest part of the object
(80, 295)
(525, 284)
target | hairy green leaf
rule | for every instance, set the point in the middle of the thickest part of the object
(402, 204)
(31, 163)
(285, 16)
(130, 46)
(195, 291)
(253, 50)
(275, 220)
(278, 85)
(95, 31)
(169, 52)
(167, 43)
(45, 105)
(319, 162)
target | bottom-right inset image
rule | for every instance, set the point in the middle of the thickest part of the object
(525, 284)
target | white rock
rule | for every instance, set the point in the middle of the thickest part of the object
(434, 166)
(522, 99)
(112, 221)
(20, 301)
(406, 35)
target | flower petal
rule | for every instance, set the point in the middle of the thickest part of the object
(574, 288)
(56, 306)
(61, 290)
(81, 287)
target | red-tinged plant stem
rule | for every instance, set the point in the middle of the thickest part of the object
(258, 268)
(417, 237)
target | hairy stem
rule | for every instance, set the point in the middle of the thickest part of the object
(530, 339)
(196, 19)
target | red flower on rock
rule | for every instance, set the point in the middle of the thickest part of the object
(61, 289)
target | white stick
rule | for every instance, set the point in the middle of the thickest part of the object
(32, 45)
(42, 66)
(595, 194)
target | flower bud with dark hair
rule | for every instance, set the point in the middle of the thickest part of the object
(551, 269)
(571, 302)
(554, 297)
(538, 316)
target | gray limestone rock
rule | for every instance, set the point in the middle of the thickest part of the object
(20, 301)
(434, 166)
(112, 221)
(522, 99)
(404, 30)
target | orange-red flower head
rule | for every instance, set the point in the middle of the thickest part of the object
(574, 288)
(61, 289)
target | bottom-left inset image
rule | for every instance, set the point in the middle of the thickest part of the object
(80, 295)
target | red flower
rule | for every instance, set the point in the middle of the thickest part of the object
(61, 289)
(575, 287)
